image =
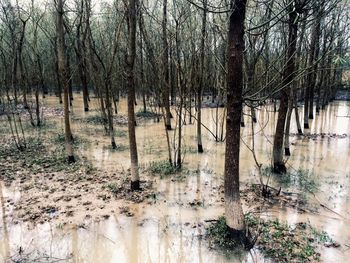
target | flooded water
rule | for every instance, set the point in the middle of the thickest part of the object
(171, 230)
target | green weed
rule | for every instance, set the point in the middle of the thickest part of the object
(162, 168)
(146, 114)
(301, 179)
(275, 239)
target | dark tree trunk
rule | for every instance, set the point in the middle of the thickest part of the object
(233, 207)
(201, 83)
(165, 85)
(64, 76)
(311, 77)
(315, 49)
(70, 80)
(130, 74)
(288, 76)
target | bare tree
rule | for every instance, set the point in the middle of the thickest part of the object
(62, 66)
(130, 75)
(233, 207)
(288, 76)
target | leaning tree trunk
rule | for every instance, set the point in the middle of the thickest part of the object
(130, 62)
(288, 76)
(233, 207)
(62, 66)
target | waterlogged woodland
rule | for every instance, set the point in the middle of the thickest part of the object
(174, 131)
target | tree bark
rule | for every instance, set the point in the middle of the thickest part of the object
(311, 77)
(233, 207)
(80, 51)
(288, 76)
(110, 112)
(201, 83)
(165, 85)
(130, 62)
(287, 128)
(315, 49)
(62, 66)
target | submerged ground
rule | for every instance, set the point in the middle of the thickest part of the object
(82, 213)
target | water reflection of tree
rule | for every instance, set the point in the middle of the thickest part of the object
(6, 241)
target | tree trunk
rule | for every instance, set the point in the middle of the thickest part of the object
(288, 76)
(311, 77)
(233, 207)
(315, 49)
(21, 66)
(57, 70)
(296, 111)
(242, 118)
(287, 128)
(130, 62)
(80, 51)
(180, 123)
(110, 112)
(252, 110)
(201, 83)
(70, 80)
(37, 106)
(14, 73)
(62, 66)
(82, 74)
(165, 85)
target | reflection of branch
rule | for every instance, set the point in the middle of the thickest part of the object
(6, 232)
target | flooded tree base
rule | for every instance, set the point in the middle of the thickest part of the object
(287, 151)
(279, 168)
(71, 159)
(114, 145)
(241, 237)
(135, 186)
(200, 148)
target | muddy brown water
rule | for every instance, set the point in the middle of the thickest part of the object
(170, 230)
